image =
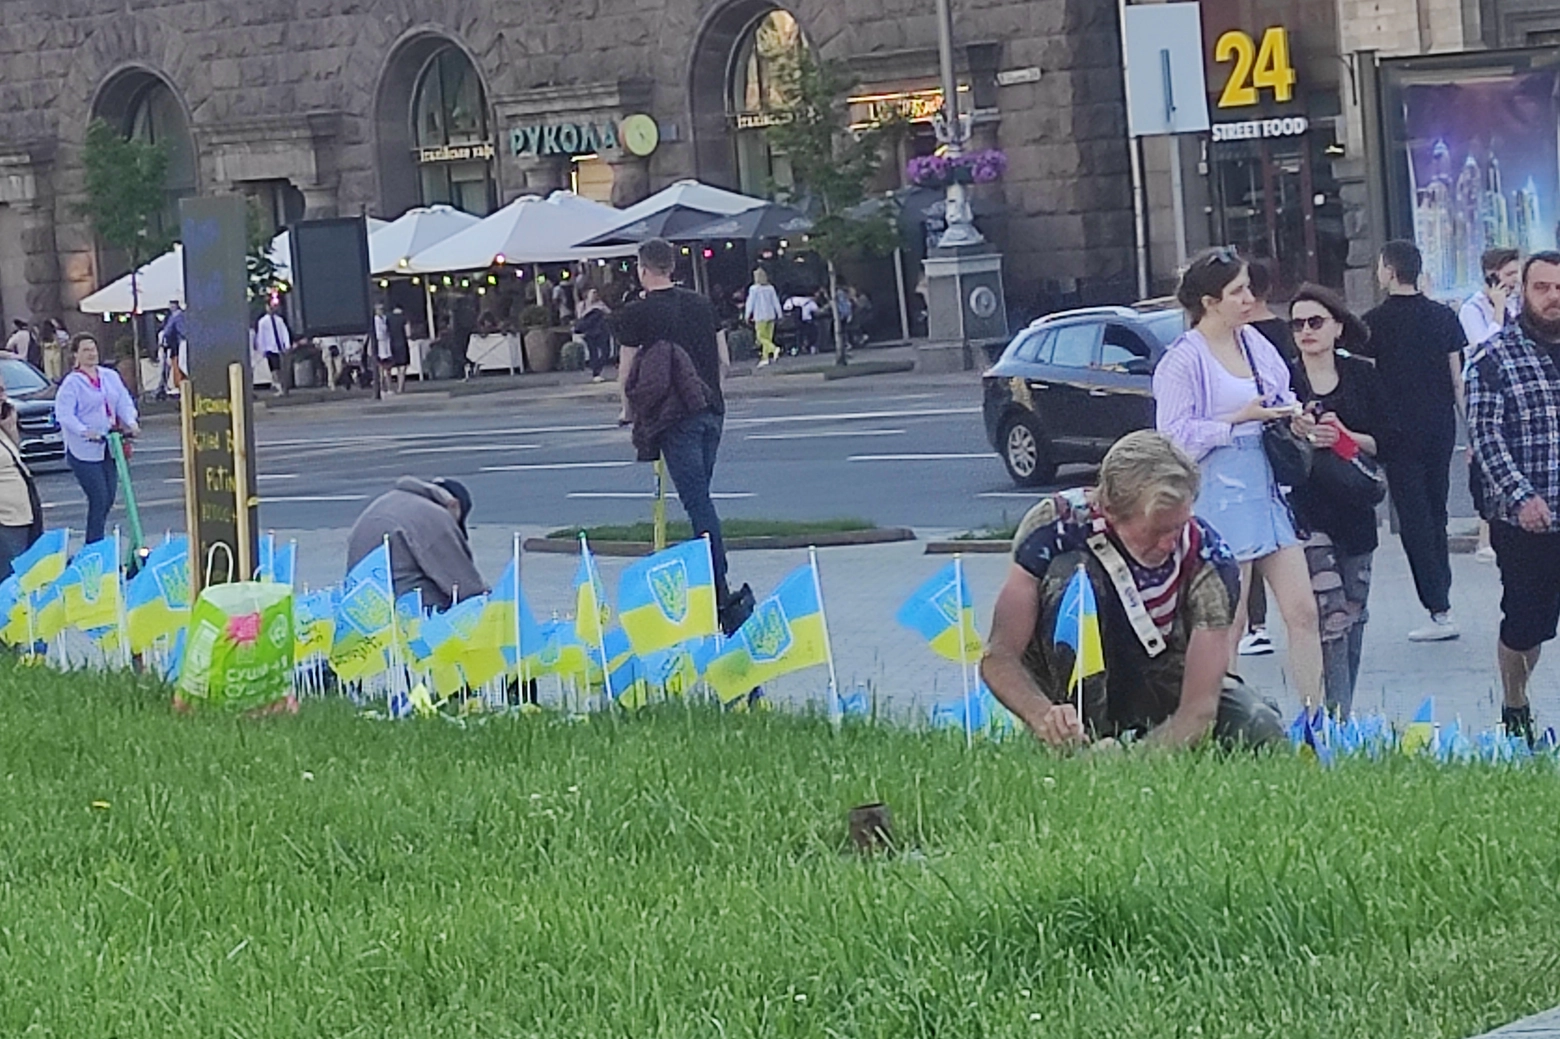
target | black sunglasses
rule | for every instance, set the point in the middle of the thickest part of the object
(1315, 323)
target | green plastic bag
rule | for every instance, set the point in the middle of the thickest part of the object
(239, 650)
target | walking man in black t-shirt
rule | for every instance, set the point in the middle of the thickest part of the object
(688, 448)
(1514, 427)
(1417, 344)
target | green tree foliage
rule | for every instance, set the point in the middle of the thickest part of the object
(832, 168)
(125, 195)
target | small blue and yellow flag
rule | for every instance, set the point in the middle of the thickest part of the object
(943, 612)
(1078, 626)
(562, 653)
(669, 597)
(157, 600)
(1420, 731)
(314, 624)
(89, 586)
(278, 562)
(44, 560)
(592, 611)
(507, 622)
(48, 612)
(365, 618)
(785, 633)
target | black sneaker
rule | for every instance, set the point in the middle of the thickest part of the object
(737, 608)
(1518, 722)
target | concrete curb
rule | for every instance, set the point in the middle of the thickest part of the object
(972, 546)
(840, 539)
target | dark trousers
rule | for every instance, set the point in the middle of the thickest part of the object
(460, 346)
(13, 542)
(689, 450)
(1419, 475)
(100, 480)
(599, 350)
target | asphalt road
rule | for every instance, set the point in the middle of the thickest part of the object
(892, 452)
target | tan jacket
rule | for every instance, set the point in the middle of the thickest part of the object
(15, 503)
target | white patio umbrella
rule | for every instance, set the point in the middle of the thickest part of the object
(156, 284)
(391, 248)
(684, 204)
(528, 230)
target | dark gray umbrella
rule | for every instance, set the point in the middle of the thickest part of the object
(767, 221)
(669, 223)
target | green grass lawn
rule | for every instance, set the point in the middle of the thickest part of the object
(680, 874)
(679, 530)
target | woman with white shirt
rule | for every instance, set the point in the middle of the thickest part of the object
(1214, 388)
(92, 402)
(763, 310)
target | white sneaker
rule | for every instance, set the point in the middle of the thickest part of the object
(1440, 629)
(1256, 643)
(1484, 555)
(763, 363)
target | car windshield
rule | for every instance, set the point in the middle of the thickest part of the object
(20, 377)
(1166, 324)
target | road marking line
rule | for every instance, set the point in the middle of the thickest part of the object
(380, 438)
(303, 498)
(929, 457)
(636, 495)
(452, 449)
(854, 416)
(538, 466)
(1036, 495)
(258, 476)
(823, 433)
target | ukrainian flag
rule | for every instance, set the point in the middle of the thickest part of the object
(481, 658)
(786, 633)
(48, 612)
(1078, 626)
(1420, 732)
(669, 597)
(561, 653)
(43, 562)
(314, 624)
(157, 600)
(89, 586)
(506, 617)
(278, 563)
(592, 611)
(13, 611)
(943, 613)
(365, 618)
(626, 670)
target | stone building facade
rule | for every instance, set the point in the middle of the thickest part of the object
(307, 104)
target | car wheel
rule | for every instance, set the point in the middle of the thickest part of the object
(1025, 452)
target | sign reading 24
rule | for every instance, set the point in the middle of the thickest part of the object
(1256, 68)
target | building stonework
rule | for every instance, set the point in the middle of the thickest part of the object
(314, 94)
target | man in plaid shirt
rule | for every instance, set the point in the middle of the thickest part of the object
(1514, 425)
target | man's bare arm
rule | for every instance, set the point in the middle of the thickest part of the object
(1012, 625)
(1456, 361)
(1207, 656)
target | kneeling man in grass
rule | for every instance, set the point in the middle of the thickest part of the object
(1166, 587)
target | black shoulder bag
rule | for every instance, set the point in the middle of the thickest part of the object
(1289, 455)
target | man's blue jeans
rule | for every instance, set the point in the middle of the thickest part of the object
(689, 449)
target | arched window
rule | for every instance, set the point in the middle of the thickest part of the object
(155, 116)
(454, 150)
(763, 54)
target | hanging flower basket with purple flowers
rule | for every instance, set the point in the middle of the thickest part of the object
(938, 171)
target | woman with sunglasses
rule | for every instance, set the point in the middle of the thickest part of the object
(1349, 403)
(1214, 389)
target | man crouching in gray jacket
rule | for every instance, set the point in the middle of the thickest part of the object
(426, 525)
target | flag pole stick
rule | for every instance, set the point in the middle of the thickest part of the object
(119, 594)
(964, 656)
(397, 665)
(828, 647)
(519, 638)
(601, 636)
(1078, 654)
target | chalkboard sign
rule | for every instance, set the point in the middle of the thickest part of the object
(217, 327)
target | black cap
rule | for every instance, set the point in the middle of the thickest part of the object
(457, 490)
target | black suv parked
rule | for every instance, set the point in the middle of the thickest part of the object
(1072, 383)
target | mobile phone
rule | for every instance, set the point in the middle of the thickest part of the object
(1491, 280)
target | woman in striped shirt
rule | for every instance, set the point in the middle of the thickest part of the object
(1215, 387)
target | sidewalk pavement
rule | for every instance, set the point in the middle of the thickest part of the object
(864, 587)
(789, 375)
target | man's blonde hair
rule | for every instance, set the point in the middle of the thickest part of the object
(1144, 472)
